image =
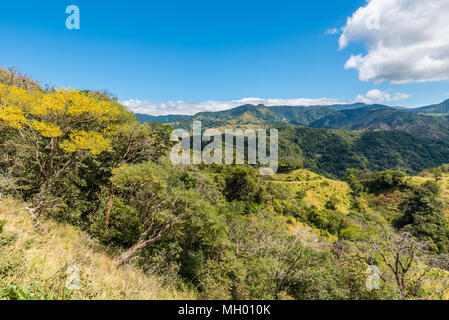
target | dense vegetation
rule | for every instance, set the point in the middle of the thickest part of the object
(80, 158)
(333, 151)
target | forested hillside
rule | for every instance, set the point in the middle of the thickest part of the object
(331, 152)
(79, 172)
(385, 118)
(440, 108)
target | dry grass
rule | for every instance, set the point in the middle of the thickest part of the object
(319, 189)
(40, 259)
(14, 77)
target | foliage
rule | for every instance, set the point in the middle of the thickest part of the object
(378, 182)
(57, 130)
(242, 184)
(424, 216)
(2, 224)
(409, 264)
(331, 152)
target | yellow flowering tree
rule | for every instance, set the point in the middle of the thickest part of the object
(59, 128)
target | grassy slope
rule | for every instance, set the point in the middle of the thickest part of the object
(319, 189)
(32, 259)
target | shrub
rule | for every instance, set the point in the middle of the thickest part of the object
(2, 224)
(242, 184)
(317, 219)
(332, 203)
(124, 226)
(424, 216)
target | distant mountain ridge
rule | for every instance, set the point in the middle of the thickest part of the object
(428, 121)
(386, 118)
(257, 114)
(440, 108)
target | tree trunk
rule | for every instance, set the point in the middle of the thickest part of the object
(110, 203)
(142, 243)
(125, 256)
(41, 199)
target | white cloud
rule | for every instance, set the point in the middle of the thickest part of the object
(331, 31)
(406, 40)
(378, 96)
(189, 108)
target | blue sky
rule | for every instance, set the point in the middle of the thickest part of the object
(196, 51)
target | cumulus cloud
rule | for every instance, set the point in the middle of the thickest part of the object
(190, 108)
(406, 40)
(378, 96)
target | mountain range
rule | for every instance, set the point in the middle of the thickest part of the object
(428, 122)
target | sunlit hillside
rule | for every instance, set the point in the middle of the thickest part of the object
(39, 263)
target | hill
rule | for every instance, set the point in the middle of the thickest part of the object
(259, 115)
(331, 152)
(34, 264)
(440, 108)
(386, 118)
(371, 138)
(14, 77)
(427, 122)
